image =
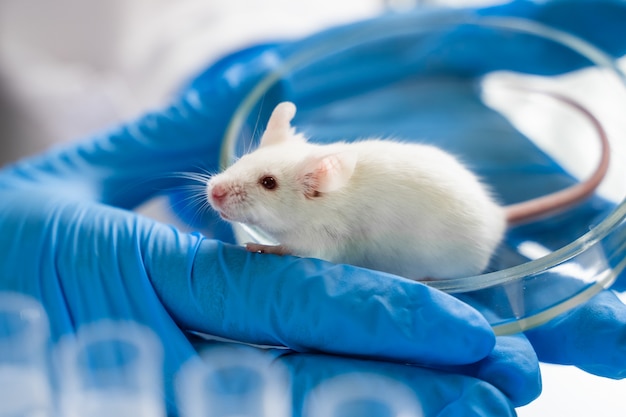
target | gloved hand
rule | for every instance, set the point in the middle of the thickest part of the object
(70, 239)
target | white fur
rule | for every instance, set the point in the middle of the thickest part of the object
(404, 208)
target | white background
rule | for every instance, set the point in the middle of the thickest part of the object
(71, 67)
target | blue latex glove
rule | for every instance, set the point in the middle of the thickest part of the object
(70, 240)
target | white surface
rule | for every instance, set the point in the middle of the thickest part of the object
(72, 67)
(568, 391)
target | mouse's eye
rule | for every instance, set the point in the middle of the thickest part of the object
(268, 182)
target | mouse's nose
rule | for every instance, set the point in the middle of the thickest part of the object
(218, 193)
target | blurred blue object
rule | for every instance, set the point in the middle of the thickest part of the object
(24, 354)
(110, 368)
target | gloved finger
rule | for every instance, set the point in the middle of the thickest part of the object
(310, 305)
(512, 367)
(591, 337)
(324, 385)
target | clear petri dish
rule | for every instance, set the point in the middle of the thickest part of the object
(529, 117)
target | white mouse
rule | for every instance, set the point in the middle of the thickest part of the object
(408, 209)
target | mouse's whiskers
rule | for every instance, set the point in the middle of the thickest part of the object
(192, 202)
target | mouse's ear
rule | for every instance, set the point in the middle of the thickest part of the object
(279, 128)
(327, 173)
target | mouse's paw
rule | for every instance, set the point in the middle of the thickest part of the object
(258, 248)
